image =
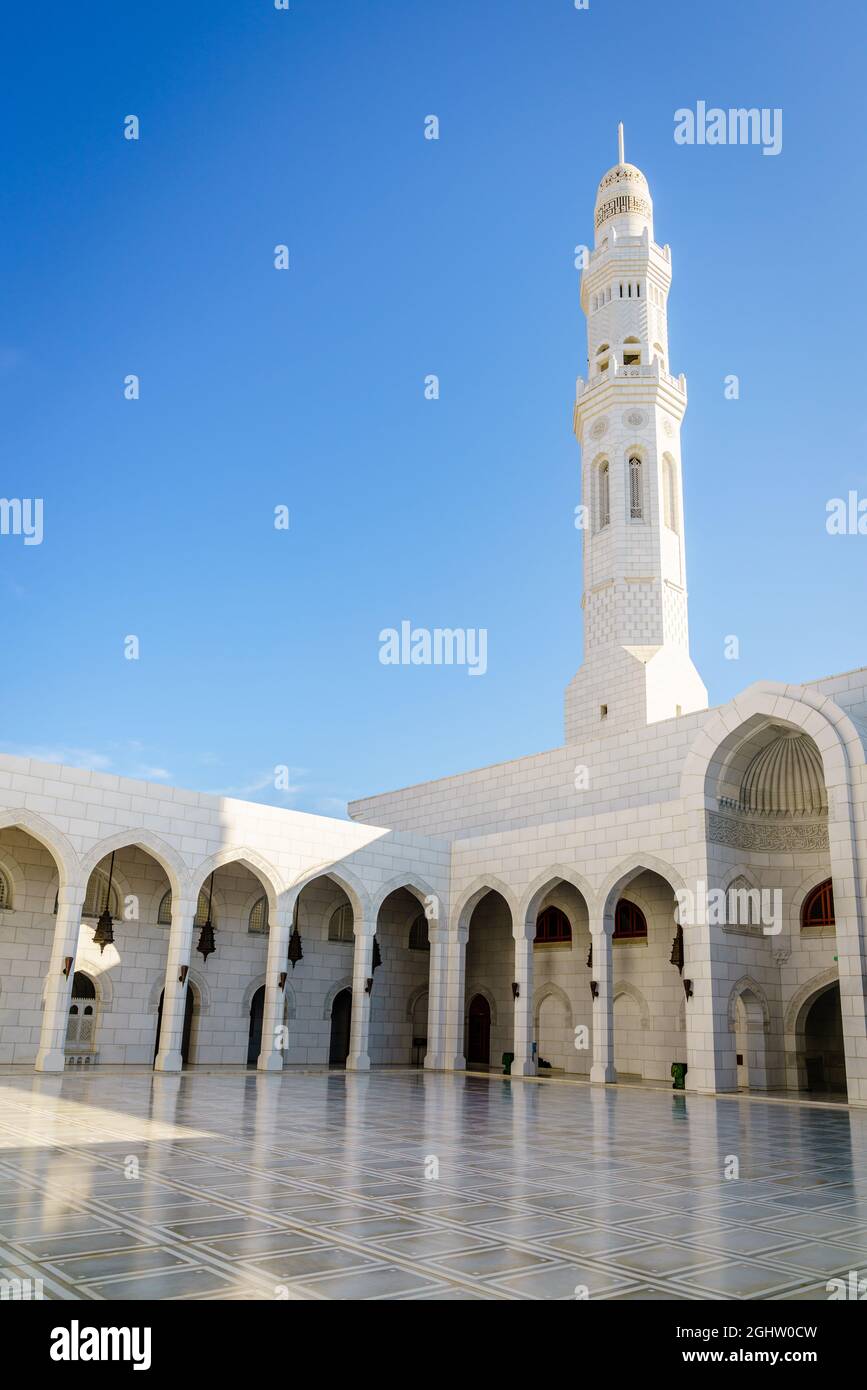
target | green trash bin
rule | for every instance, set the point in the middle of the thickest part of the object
(678, 1071)
(508, 1059)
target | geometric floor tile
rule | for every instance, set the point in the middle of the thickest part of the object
(318, 1183)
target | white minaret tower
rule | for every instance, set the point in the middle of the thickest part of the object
(637, 668)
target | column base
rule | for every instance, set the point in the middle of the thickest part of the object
(458, 1063)
(52, 1059)
(360, 1062)
(435, 1061)
(602, 1074)
(169, 1061)
(269, 1061)
(523, 1067)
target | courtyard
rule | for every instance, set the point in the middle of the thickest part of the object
(401, 1184)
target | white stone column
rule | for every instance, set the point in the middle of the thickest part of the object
(58, 988)
(709, 1046)
(847, 870)
(362, 971)
(455, 1008)
(438, 983)
(174, 992)
(602, 1068)
(524, 1063)
(274, 1041)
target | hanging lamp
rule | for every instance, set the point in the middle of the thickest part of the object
(207, 945)
(104, 934)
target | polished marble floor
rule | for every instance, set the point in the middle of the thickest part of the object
(318, 1185)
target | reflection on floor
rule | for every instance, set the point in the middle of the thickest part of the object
(411, 1186)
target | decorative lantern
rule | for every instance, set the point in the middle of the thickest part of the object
(104, 934)
(207, 946)
(676, 957)
(295, 952)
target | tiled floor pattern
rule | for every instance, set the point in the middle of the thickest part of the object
(413, 1186)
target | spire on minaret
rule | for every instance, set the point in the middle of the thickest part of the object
(621, 159)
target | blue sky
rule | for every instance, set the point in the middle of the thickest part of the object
(305, 388)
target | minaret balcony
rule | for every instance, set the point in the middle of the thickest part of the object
(648, 383)
(651, 372)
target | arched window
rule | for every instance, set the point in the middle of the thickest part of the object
(818, 908)
(96, 898)
(258, 919)
(636, 491)
(631, 352)
(419, 938)
(81, 1024)
(602, 358)
(340, 926)
(164, 915)
(629, 922)
(743, 907)
(669, 492)
(603, 506)
(553, 925)
(5, 892)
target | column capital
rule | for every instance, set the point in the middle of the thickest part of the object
(71, 895)
(184, 908)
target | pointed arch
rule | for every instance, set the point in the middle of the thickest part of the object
(804, 997)
(747, 985)
(176, 869)
(412, 883)
(552, 991)
(833, 732)
(194, 978)
(345, 983)
(630, 868)
(355, 890)
(799, 897)
(259, 982)
(414, 997)
(626, 989)
(58, 846)
(471, 896)
(471, 991)
(251, 860)
(546, 883)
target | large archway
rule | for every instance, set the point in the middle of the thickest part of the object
(489, 971)
(235, 903)
(649, 962)
(556, 916)
(821, 1059)
(31, 872)
(402, 971)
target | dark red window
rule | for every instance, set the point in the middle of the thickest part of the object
(629, 922)
(553, 925)
(818, 909)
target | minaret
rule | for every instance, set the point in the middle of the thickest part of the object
(637, 668)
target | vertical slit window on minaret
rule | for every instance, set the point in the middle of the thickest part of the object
(636, 509)
(604, 504)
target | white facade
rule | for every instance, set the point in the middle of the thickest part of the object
(653, 794)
